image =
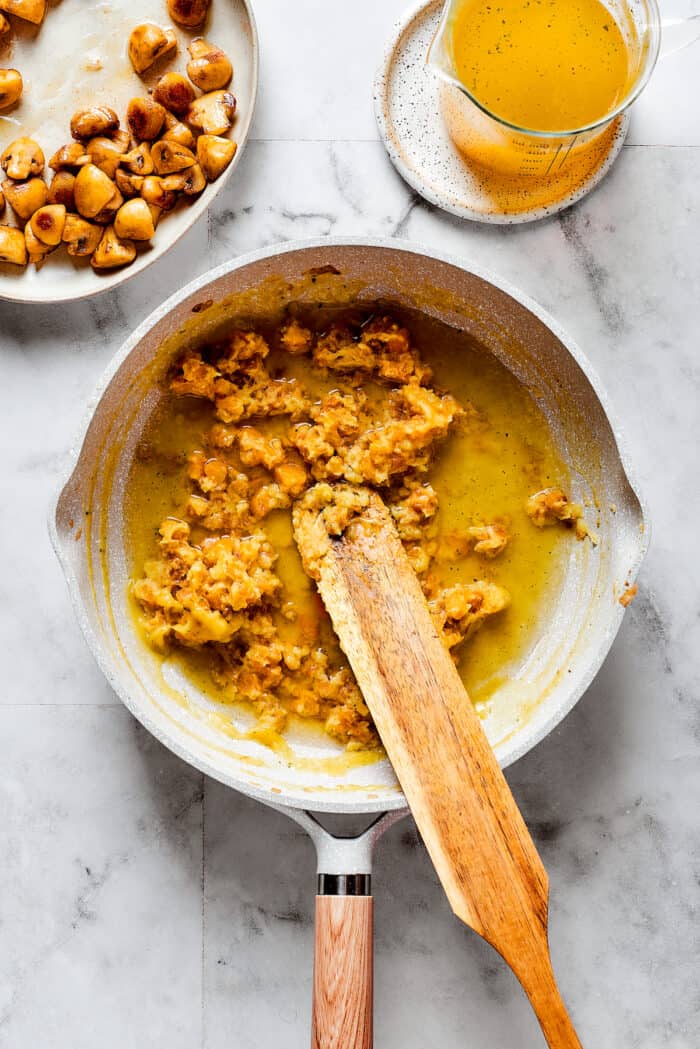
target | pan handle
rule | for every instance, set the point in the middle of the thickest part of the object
(343, 989)
(344, 958)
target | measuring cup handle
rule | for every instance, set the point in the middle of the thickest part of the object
(680, 26)
(343, 996)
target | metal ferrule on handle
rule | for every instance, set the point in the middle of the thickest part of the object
(344, 885)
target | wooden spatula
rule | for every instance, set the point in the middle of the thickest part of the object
(469, 821)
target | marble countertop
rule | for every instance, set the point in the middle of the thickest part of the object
(144, 905)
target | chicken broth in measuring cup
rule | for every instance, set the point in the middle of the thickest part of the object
(534, 91)
(543, 65)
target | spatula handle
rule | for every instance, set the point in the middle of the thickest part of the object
(540, 985)
(343, 973)
(557, 1026)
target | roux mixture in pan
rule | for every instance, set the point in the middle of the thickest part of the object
(454, 444)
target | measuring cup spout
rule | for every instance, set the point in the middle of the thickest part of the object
(438, 57)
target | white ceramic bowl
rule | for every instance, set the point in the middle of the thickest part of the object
(78, 56)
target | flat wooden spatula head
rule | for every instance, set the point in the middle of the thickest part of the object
(469, 821)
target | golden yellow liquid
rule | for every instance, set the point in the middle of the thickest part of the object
(481, 475)
(544, 65)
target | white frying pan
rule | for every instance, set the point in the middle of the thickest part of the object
(87, 528)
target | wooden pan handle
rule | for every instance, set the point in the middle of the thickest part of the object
(343, 973)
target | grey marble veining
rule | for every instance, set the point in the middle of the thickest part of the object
(101, 884)
(143, 905)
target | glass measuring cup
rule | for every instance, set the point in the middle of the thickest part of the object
(507, 149)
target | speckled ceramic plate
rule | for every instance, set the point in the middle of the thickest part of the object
(79, 55)
(407, 108)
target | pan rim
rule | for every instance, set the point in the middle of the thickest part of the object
(315, 799)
